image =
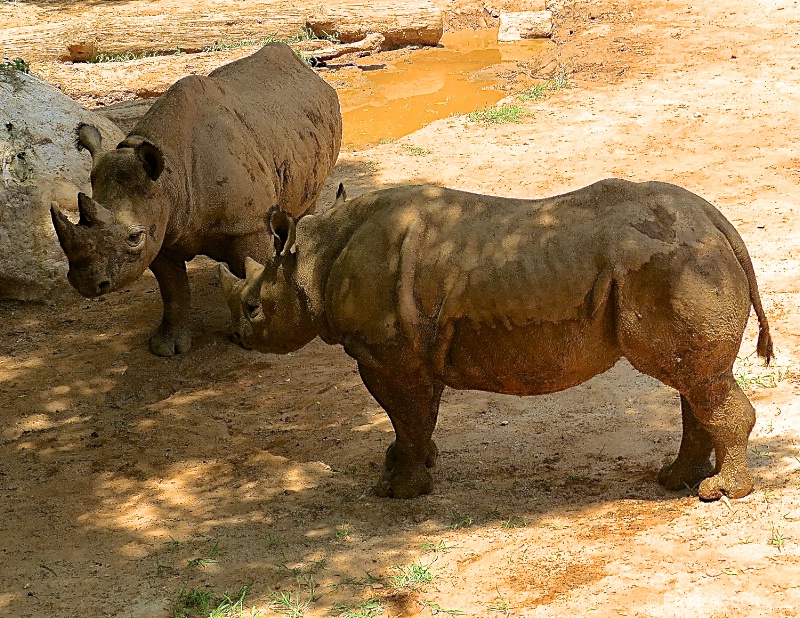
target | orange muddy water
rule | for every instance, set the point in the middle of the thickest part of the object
(429, 84)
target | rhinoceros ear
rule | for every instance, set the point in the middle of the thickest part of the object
(341, 195)
(151, 158)
(227, 280)
(252, 269)
(283, 228)
(87, 136)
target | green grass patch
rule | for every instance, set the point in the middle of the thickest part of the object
(306, 34)
(414, 575)
(103, 57)
(459, 520)
(497, 115)
(438, 609)
(437, 547)
(559, 81)
(210, 558)
(750, 375)
(17, 64)
(342, 533)
(195, 603)
(776, 538)
(227, 44)
(416, 150)
(293, 604)
(371, 608)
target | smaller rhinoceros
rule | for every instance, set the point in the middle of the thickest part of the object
(428, 287)
(197, 175)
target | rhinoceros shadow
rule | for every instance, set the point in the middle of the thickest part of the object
(109, 454)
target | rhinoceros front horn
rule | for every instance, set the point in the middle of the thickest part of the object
(91, 212)
(228, 281)
(69, 236)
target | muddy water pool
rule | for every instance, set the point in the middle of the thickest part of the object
(387, 101)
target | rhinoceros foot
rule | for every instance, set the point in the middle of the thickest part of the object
(406, 473)
(736, 484)
(679, 475)
(170, 342)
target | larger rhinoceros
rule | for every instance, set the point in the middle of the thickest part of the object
(197, 175)
(429, 287)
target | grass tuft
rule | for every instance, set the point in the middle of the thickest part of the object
(103, 57)
(776, 538)
(750, 375)
(412, 576)
(371, 608)
(195, 603)
(17, 64)
(458, 520)
(497, 115)
(295, 604)
(559, 81)
(417, 151)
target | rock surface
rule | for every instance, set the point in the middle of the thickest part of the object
(39, 163)
(525, 25)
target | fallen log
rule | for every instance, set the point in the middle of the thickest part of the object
(370, 44)
(416, 22)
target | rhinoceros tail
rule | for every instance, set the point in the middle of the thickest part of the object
(764, 345)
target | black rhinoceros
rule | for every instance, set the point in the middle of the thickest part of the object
(197, 175)
(428, 287)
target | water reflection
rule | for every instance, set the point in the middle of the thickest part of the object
(415, 90)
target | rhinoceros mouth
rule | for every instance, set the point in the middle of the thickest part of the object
(89, 288)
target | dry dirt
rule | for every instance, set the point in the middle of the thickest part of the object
(128, 481)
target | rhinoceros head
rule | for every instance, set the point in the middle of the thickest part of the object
(122, 227)
(268, 307)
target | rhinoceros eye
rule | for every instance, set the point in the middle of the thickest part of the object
(136, 238)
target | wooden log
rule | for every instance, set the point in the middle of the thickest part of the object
(371, 43)
(414, 22)
(159, 33)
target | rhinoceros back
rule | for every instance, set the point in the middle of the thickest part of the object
(425, 255)
(260, 131)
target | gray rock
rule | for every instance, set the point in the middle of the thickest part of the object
(39, 164)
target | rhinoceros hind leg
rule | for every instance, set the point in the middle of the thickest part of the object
(411, 399)
(692, 464)
(174, 334)
(729, 420)
(727, 415)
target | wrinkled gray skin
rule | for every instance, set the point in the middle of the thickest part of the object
(197, 175)
(429, 287)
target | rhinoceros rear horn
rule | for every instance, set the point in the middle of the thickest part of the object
(87, 136)
(283, 229)
(252, 269)
(91, 212)
(152, 159)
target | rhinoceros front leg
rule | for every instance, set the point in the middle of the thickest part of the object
(174, 334)
(411, 399)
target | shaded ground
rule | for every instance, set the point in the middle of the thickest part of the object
(126, 479)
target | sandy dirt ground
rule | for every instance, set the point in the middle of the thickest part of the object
(133, 486)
